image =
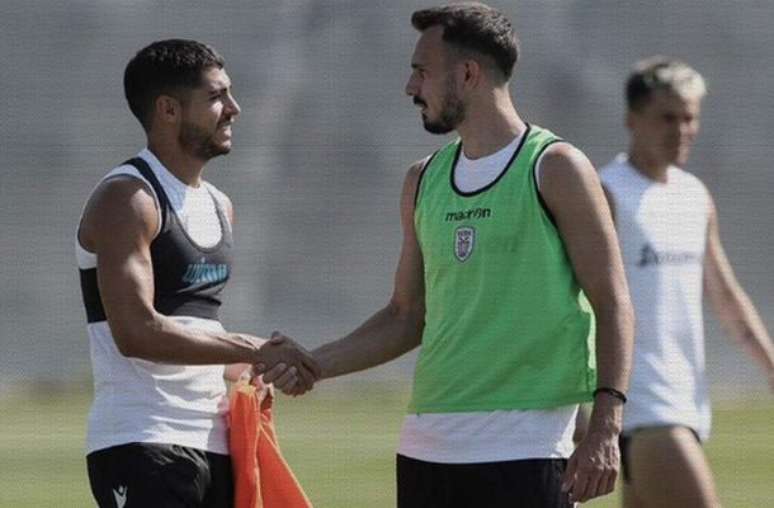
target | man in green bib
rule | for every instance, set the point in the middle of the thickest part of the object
(508, 245)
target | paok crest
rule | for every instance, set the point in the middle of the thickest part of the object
(464, 240)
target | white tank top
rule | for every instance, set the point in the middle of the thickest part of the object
(662, 228)
(141, 401)
(495, 435)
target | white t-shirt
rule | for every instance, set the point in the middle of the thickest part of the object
(490, 436)
(141, 401)
(662, 228)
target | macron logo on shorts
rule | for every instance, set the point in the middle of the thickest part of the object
(120, 495)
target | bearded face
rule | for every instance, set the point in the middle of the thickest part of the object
(451, 113)
(208, 114)
(204, 143)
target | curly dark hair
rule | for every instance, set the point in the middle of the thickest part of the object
(170, 67)
(474, 27)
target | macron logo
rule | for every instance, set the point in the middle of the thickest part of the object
(120, 495)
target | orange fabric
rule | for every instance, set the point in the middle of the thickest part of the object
(262, 478)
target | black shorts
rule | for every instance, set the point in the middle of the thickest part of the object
(149, 475)
(625, 440)
(531, 483)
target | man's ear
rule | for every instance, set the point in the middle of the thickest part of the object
(167, 109)
(472, 73)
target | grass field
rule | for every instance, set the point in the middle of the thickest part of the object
(340, 441)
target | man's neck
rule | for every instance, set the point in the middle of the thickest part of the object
(649, 167)
(490, 127)
(185, 168)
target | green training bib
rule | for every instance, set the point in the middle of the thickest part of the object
(506, 325)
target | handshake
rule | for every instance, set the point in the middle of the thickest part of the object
(285, 364)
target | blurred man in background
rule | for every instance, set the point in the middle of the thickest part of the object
(154, 251)
(505, 229)
(668, 228)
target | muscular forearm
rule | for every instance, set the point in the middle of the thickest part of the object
(615, 340)
(161, 339)
(614, 344)
(387, 335)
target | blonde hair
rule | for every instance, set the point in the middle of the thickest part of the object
(662, 73)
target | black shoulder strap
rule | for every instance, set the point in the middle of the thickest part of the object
(145, 170)
(535, 178)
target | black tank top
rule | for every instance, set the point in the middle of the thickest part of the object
(188, 278)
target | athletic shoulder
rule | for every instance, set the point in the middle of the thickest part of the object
(129, 175)
(417, 167)
(119, 189)
(563, 160)
(413, 178)
(118, 204)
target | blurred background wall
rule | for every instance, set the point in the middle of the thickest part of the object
(325, 137)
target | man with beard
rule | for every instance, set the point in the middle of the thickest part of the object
(506, 232)
(668, 228)
(154, 251)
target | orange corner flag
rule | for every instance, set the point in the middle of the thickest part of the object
(262, 478)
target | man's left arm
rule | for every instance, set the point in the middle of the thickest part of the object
(572, 192)
(733, 307)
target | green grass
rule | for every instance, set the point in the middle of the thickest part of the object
(340, 441)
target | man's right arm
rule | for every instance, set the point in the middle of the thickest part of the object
(119, 224)
(572, 191)
(397, 328)
(732, 304)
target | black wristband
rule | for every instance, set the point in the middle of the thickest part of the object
(612, 392)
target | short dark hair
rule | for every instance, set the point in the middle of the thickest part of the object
(475, 27)
(662, 73)
(169, 67)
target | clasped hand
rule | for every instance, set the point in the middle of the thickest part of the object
(287, 365)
